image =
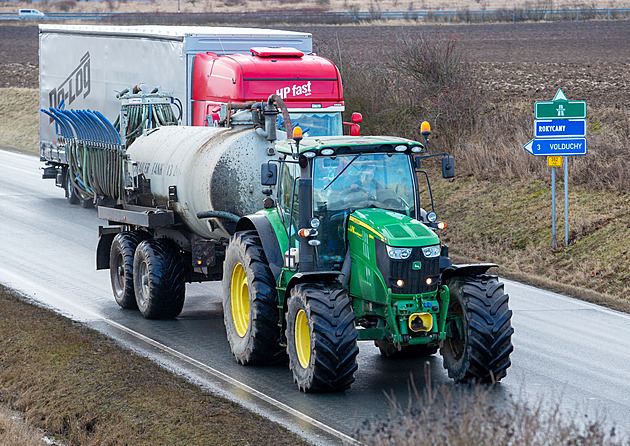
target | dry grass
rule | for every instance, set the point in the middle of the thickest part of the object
(19, 119)
(465, 416)
(82, 388)
(14, 431)
(499, 206)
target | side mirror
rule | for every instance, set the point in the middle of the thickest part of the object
(448, 167)
(357, 118)
(268, 174)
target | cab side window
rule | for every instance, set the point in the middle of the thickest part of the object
(288, 196)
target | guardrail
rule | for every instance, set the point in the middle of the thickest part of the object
(467, 16)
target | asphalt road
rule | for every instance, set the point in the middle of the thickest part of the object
(564, 349)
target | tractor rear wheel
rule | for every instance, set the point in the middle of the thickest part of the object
(321, 338)
(389, 350)
(479, 331)
(250, 302)
(158, 279)
(121, 266)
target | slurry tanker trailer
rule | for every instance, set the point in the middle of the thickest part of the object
(202, 70)
(320, 242)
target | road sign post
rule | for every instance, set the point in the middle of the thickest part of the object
(553, 207)
(559, 132)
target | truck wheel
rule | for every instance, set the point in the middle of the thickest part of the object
(478, 330)
(321, 338)
(121, 266)
(72, 195)
(158, 279)
(389, 350)
(250, 302)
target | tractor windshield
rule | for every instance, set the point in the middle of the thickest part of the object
(343, 184)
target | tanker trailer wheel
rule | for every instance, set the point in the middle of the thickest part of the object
(321, 338)
(389, 350)
(250, 302)
(478, 330)
(158, 279)
(121, 266)
(72, 195)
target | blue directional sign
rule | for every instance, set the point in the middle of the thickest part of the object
(559, 127)
(556, 146)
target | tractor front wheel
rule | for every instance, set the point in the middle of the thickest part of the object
(479, 331)
(250, 302)
(321, 338)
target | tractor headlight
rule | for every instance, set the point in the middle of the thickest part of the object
(398, 253)
(431, 251)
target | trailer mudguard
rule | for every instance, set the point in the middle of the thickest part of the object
(467, 270)
(103, 249)
(262, 225)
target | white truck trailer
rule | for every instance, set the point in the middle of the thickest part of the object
(83, 67)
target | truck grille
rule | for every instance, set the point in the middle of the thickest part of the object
(414, 280)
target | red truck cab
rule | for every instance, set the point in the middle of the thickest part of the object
(310, 86)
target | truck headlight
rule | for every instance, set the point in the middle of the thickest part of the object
(431, 251)
(398, 253)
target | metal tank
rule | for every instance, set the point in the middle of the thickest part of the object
(199, 169)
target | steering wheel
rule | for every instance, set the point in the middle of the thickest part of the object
(393, 203)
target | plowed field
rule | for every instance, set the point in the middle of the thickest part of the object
(588, 60)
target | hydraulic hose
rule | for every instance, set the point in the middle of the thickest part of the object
(219, 214)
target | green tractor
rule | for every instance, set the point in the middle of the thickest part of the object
(344, 253)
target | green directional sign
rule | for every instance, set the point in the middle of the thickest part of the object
(560, 108)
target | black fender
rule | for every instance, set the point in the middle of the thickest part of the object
(263, 227)
(466, 270)
(103, 249)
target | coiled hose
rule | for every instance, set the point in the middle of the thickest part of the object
(95, 152)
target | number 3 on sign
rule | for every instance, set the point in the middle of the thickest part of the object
(554, 161)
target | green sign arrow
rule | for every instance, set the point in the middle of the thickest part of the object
(560, 108)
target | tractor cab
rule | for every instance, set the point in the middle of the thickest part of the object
(339, 186)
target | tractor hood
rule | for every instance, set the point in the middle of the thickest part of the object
(393, 229)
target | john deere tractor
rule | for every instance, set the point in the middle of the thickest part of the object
(343, 252)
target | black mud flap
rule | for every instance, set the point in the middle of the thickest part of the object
(103, 249)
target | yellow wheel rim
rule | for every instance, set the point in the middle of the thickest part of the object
(239, 300)
(302, 339)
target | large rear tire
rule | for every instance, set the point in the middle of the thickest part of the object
(389, 350)
(250, 302)
(321, 338)
(479, 330)
(158, 279)
(121, 267)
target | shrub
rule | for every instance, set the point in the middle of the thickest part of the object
(467, 416)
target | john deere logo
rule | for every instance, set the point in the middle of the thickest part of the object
(416, 266)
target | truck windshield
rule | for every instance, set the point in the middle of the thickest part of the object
(315, 124)
(376, 180)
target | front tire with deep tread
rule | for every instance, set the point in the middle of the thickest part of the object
(321, 338)
(250, 302)
(159, 279)
(479, 330)
(121, 266)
